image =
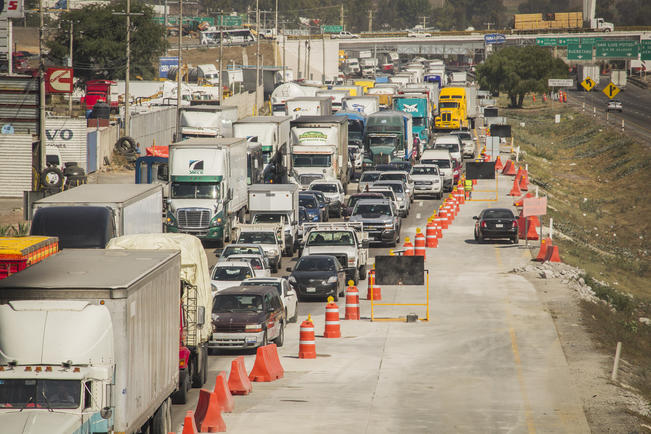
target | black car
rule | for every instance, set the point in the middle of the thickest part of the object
(496, 223)
(318, 276)
(247, 317)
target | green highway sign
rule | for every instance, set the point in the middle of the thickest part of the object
(617, 49)
(645, 49)
(579, 52)
(591, 40)
(332, 29)
(229, 20)
(546, 42)
(567, 41)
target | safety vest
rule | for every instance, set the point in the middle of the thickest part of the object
(467, 185)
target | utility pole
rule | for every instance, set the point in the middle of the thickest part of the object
(424, 18)
(257, 56)
(308, 47)
(276, 21)
(370, 20)
(341, 16)
(284, 43)
(221, 56)
(41, 105)
(178, 74)
(298, 63)
(165, 24)
(70, 94)
(127, 95)
(323, 54)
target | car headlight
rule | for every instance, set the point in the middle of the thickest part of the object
(253, 328)
(332, 279)
(388, 226)
(292, 279)
(436, 181)
(273, 252)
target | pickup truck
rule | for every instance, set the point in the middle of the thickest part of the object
(380, 219)
(344, 35)
(269, 236)
(346, 241)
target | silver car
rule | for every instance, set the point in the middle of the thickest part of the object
(366, 179)
(400, 190)
(400, 175)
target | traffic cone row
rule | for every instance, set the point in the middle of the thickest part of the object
(548, 251)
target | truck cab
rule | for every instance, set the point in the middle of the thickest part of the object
(418, 107)
(388, 136)
(277, 204)
(452, 109)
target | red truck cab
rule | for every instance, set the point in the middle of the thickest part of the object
(98, 91)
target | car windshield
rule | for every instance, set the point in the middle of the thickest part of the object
(397, 188)
(32, 393)
(267, 218)
(313, 263)
(231, 273)
(255, 263)
(369, 177)
(393, 177)
(382, 140)
(325, 188)
(452, 147)
(443, 164)
(319, 196)
(424, 171)
(307, 202)
(265, 283)
(448, 104)
(331, 238)
(311, 160)
(370, 210)
(464, 136)
(194, 190)
(236, 250)
(257, 238)
(352, 200)
(497, 214)
(237, 303)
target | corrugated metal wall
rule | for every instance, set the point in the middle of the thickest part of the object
(69, 136)
(19, 103)
(106, 138)
(15, 164)
(154, 127)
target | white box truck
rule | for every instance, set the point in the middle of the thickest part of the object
(89, 342)
(320, 147)
(367, 104)
(472, 105)
(308, 106)
(207, 121)
(208, 185)
(272, 132)
(89, 215)
(276, 203)
(585, 71)
(287, 91)
(618, 77)
(336, 96)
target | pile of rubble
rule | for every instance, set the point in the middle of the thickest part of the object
(570, 276)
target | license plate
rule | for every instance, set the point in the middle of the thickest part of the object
(499, 225)
(310, 289)
(422, 187)
(251, 339)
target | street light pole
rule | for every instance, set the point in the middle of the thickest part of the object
(178, 75)
(41, 105)
(127, 96)
(257, 56)
(70, 94)
(221, 56)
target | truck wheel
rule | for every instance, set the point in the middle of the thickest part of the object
(362, 272)
(159, 421)
(274, 268)
(52, 177)
(181, 395)
(196, 372)
(290, 250)
(280, 340)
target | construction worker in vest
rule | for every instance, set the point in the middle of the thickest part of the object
(467, 187)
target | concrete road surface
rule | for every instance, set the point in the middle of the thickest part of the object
(488, 360)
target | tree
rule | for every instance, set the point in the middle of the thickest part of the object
(520, 70)
(99, 41)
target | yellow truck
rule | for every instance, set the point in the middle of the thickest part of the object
(365, 85)
(352, 90)
(452, 109)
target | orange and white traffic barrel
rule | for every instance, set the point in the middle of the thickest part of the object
(352, 301)
(332, 328)
(307, 342)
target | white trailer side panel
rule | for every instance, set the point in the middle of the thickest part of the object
(144, 216)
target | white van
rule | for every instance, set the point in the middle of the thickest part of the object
(452, 143)
(442, 159)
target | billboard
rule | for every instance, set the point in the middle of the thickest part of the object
(165, 63)
(12, 9)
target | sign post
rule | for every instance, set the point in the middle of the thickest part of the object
(533, 206)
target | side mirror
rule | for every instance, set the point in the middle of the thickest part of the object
(289, 269)
(201, 315)
(475, 217)
(218, 252)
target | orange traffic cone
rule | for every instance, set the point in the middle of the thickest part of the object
(515, 191)
(518, 202)
(409, 248)
(223, 393)
(498, 163)
(419, 246)
(552, 254)
(332, 328)
(352, 301)
(430, 234)
(307, 342)
(509, 168)
(531, 230)
(545, 244)
(238, 381)
(524, 181)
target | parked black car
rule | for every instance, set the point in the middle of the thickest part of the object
(318, 276)
(247, 317)
(494, 223)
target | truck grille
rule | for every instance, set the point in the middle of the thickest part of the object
(194, 218)
(422, 182)
(229, 328)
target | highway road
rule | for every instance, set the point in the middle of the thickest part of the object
(488, 360)
(636, 102)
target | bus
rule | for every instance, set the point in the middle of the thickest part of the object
(243, 37)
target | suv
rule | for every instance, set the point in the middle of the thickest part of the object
(467, 142)
(452, 143)
(247, 317)
(334, 194)
(269, 236)
(380, 219)
(367, 178)
(345, 241)
(287, 294)
(427, 180)
(442, 159)
(614, 105)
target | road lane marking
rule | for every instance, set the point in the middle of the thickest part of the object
(523, 391)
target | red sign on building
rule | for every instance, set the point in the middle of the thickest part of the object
(59, 80)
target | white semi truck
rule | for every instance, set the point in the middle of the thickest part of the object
(320, 147)
(89, 343)
(208, 187)
(272, 132)
(308, 106)
(207, 121)
(367, 104)
(276, 203)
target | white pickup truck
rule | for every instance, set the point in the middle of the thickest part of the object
(346, 241)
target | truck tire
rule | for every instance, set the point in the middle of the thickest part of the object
(52, 177)
(362, 272)
(195, 371)
(159, 421)
(126, 145)
(181, 395)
